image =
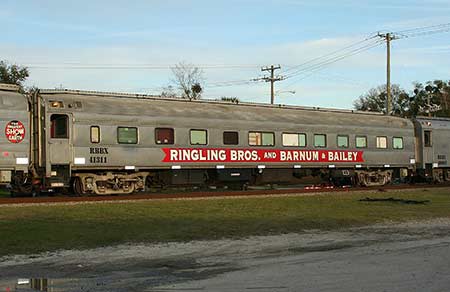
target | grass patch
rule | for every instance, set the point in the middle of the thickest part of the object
(34, 229)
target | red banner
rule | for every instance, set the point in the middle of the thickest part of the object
(259, 155)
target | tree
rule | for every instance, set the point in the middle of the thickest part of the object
(168, 92)
(13, 74)
(432, 97)
(188, 79)
(375, 100)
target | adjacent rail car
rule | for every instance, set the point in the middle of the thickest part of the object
(433, 148)
(108, 143)
(14, 138)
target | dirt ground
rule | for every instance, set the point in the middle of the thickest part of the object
(413, 256)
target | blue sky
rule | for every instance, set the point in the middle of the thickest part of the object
(130, 46)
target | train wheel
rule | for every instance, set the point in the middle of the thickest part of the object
(78, 187)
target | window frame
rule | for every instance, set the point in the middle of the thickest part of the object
(314, 141)
(126, 143)
(162, 143)
(99, 134)
(202, 130)
(430, 138)
(344, 136)
(298, 139)
(393, 143)
(53, 126)
(376, 142)
(356, 141)
(262, 141)
(234, 132)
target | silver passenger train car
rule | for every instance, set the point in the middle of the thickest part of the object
(14, 136)
(108, 143)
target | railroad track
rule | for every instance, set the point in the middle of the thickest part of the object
(206, 194)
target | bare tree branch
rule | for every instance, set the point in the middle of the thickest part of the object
(188, 79)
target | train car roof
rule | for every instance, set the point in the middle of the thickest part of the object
(9, 87)
(433, 122)
(138, 104)
(424, 118)
(11, 98)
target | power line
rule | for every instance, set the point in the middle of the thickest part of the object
(415, 32)
(329, 54)
(409, 33)
(421, 31)
(334, 59)
(313, 70)
(231, 83)
(303, 70)
(424, 28)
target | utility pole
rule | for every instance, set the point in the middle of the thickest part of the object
(271, 79)
(388, 37)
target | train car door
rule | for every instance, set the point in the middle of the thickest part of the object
(60, 142)
(428, 153)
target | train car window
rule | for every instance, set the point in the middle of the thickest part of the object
(127, 135)
(95, 134)
(254, 139)
(230, 138)
(427, 138)
(342, 141)
(361, 141)
(290, 139)
(59, 126)
(198, 137)
(397, 143)
(164, 136)
(268, 139)
(381, 142)
(320, 140)
(302, 140)
(261, 139)
(294, 140)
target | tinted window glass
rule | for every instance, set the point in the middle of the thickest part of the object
(342, 141)
(198, 137)
(126, 135)
(320, 140)
(397, 143)
(230, 138)
(164, 136)
(268, 139)
(59, 126)
(427, 138)
(361, 142)
(302, 140)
